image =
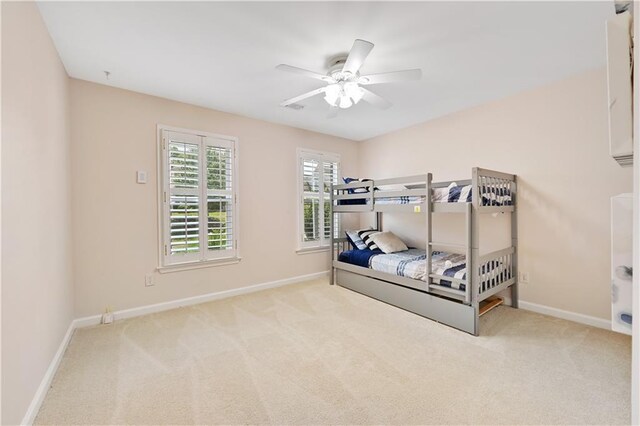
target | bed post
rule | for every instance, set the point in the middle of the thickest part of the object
(428, 206)
(468, 216)
(332, 248)
(474, 271)
(514, 241)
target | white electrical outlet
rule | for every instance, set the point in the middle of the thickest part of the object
(148, 280)
(523, 278)
(107, 318)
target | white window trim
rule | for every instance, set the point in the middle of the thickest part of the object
(322, 245)
(163, 188)
(312, 250)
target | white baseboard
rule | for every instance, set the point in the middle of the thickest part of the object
(560, 313)
(188, 301)
(41, 393)
(567, 315)
(38, 398)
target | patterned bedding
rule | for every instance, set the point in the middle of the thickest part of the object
(412, 264)
(491, 196)
(401, 200)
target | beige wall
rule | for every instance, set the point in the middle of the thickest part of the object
(37, 287)
(115, 219)
(555, 140)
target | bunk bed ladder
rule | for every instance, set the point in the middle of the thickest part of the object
(514, 242)
(332, 247)
(468, 221)
(473, 239)
(429, 212)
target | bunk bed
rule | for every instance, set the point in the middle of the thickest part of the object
(426, 282)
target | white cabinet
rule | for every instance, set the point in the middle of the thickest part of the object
(619, 65)
(621, 262)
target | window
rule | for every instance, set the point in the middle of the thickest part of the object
(199, 197)
(316, 172)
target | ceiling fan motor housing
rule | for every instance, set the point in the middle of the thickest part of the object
(336, 64)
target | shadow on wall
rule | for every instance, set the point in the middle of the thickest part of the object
(558, 218)
(556, 212)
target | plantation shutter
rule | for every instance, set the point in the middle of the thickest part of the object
(311, 200)
(330, 177)
(220, 198)
(317, 171)
(184, 197)
(199, 197)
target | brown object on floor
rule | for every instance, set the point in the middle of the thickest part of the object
(489, 304)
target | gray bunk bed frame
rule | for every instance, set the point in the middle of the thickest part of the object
(457, 308)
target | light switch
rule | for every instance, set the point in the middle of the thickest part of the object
(141, 177)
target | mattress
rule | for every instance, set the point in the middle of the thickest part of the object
(412, 264)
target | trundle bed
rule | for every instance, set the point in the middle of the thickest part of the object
(448, 283)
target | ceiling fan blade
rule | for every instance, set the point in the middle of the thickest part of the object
(303, 96)
(333, 112)
(390, 77)
(375, 100)
(357, 55)
(296, 70)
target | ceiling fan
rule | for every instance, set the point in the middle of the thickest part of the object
(344, 82)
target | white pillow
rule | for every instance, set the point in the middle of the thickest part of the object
(388, 242)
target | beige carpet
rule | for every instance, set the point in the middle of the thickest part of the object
(315, 354)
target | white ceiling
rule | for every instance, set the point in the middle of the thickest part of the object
(223, 55)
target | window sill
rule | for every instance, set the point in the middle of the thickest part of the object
(312, 250)
(198, 265)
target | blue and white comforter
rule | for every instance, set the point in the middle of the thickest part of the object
(412, 264)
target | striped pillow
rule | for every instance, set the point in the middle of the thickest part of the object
(366, 238)
(355, 240)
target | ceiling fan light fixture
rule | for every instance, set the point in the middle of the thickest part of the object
(331, 94)
(353, 91)
(344, 95)
(345, 102)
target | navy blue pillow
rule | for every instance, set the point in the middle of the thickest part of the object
(357, 190)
